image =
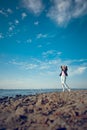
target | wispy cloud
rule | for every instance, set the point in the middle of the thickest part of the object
(24, 15)
(5, 12)
(30, 66)
(9, 11)
(24, 65)
(11, 28)
(47, 53)
(13, 24)
(77, 70)
(82, 69)
(36, 23)
(35, 6)
(34, 64)
(49, 70)
(16, 21)
(63, 11)
(40, 35)
(51, 52)
(29, 40)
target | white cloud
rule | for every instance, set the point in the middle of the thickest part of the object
(3, 13)
(44, 66)
(11, 32)
(80, 8)
(24, 15)
(30, 66)
(82, 69)
(77, 70)
(34, 64)
(24, 65)
(51, 52)
(51, 66)
(59, 53)
(11, 28)
(35, 6)
(63, 11)
(16, 22)
(6, 12)
(9, 11)
(29, 40)
(40, 35)
(36, 23)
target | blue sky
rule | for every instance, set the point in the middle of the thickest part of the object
(37, 37)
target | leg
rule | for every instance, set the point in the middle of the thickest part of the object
(63, 87)
(67, 87)
(62, 81)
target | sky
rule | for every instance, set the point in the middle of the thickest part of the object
(37, 37)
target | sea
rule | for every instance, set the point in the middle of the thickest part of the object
(24, 92)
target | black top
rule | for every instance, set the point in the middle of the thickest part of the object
(65, 71)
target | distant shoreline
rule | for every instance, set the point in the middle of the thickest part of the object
(22, 92)
(38, 88)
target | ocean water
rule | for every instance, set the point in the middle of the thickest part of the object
(14, 92)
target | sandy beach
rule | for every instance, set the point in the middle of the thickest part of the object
(47, 111)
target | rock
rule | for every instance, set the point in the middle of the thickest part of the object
(23, 117)
(80, 108)
(18, 96)
(30, 109)
(15, 104)
(61, 129)
(57, 124)
(3, 129)
(20, 111)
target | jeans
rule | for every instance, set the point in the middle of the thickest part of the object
(64, 85)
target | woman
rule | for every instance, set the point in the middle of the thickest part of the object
(63, 75)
